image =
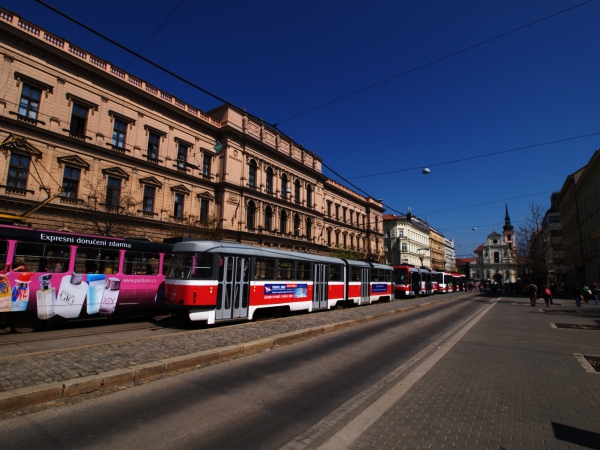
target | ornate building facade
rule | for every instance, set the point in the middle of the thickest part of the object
(98, 133)
(406, 240)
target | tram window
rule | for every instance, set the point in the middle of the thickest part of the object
(335, 273)
(3, 249)
(141, 263)
(375, 275)
(97, 260)
(264, 269)
(202, 266)
(303, 270)
(387, 275)
(400, 276)
(355, 274)
(285, 269)
(166, 261)
(43, 257)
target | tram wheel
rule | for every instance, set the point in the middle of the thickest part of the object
(25, 322)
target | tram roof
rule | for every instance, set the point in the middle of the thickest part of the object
(249, 250)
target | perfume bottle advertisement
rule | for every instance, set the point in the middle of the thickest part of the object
(96, 283)
(46, 298)
(71, 295)
(5, 293)
(110, 295)
(20, 292)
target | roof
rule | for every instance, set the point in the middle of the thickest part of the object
(479, 249)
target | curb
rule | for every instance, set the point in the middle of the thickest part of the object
(34, 395)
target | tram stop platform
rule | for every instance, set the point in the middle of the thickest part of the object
(518, 376)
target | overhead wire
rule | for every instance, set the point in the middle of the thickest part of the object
(160, 27)
(422, 66)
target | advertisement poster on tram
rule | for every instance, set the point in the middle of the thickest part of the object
(286, 290)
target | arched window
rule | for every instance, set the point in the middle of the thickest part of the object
(297, 191)
(496, 257)
(308, 227)
(270, 180)
(296, 225)
(250, 215)
(252, 174)
(309, 196)
(283, 222)
(284, 185)
(268, 218)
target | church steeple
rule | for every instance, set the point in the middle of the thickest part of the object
(507, 225)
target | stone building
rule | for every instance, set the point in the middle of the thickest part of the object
(406, 240)
(106, 136)
(495, 260)
(569, 224)
(438, 260)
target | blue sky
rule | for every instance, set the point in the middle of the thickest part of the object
(279, 59)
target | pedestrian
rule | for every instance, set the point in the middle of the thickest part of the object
(547, 295)
(595, 292)
(587, 293)
(577, 294)
(532, 293)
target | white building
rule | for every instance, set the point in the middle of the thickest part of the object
(406, 240)
(449, 255)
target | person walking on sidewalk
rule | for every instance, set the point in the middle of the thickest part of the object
(532, 293)
(595, 292)
(587, 293)
(577, 293)
(547, 295)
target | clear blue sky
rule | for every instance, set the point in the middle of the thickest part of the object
(280, 58)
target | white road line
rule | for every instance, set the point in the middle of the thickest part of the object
(344, 438)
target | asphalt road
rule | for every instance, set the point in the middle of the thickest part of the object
(258, 402)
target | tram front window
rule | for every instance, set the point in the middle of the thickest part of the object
(190, 265)
(400, 276)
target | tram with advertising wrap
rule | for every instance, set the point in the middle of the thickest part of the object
(48, 275)
(214, 281)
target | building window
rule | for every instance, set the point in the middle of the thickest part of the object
(351, 218)
(352, 242)
(119, 134)
(70, 183)
(206, 162)
(178, 207)
(496, 257)
(30, 102)
(329, 209)
(344, 212)
(250, 215)
(404, 247)
(268, 218)
(337, 238)
(309, 196)
(308, 228)
(284, 186)
(153, 144)
(269, 180)
(204, 210)
(337, 212)
(344, 238)
(148, 202)
(283, 222)
(296, 225)
(18, 170)
(297, 191)
(401, 233)
(252, 174)
(113, 192)
(78, 120)
(329, 238)
(182, 154)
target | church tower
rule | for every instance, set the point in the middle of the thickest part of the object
(509, 233)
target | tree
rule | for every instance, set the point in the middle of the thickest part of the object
(192, 226)
(535, 250)
(109, 211)
(339, 252)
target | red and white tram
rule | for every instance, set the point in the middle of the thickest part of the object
(220, 281)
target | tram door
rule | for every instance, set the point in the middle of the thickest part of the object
(234, 286)
(320, 278)
(365, 284)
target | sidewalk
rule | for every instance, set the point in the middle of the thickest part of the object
(55, 376)
(514, 380)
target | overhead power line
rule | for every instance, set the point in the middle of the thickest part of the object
(485, 155)
(422, 66)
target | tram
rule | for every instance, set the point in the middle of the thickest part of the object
(223, 281)
(51, 275)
